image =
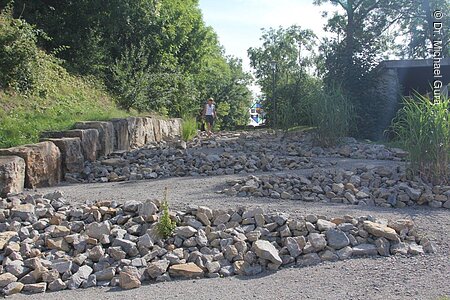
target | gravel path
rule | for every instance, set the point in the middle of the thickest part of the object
(426, 277)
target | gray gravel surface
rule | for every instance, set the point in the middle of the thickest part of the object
(425, 277)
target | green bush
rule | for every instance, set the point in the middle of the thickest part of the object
(19, 54)
(165, 226)
(37, 93)
(423, 127)
(188, 128)
(332, 115)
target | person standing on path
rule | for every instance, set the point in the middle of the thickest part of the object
(209, 112)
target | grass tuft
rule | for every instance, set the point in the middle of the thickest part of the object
(332, 115)
(189, 128)
(423, 128)
(71, 99)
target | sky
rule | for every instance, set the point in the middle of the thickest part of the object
(238, 23)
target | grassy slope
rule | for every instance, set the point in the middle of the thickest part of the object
(62, 100)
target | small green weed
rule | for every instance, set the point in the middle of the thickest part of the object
(165, 226)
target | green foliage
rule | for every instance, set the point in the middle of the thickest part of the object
(332, 115)
(188, 128)
(360, 42)
(423, 127)
(165, 225)
(287, 87)
(152, 55)
(36, 93)
(416, 28)
(129, 78)
(20, 57)
(68, 100)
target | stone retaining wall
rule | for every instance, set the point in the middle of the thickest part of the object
(47, 244)
(64, 152)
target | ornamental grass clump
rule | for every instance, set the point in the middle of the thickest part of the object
(423, 128)
(188, 128)
(166, 225)
(332, 115)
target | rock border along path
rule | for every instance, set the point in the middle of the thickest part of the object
(395, 277)
(47, 244)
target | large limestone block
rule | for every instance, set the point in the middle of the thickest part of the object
(140, 130)
(135, 132)
(12, 175)
(175, 127)
(105, 132)
(149, 131)
(43, 163)
(122, 137)
(89, 140)
(71, 154)
(156, 130)
(164, 128)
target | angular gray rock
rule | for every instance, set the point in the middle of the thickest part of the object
(12, 175)
(324, 225)
(77, 279)
(157, 268)
(383, 246)
(97, 230)
(105, 274)
(293, 247)
(185, 231)
(266, 250)
(317, 240)
(57, 285)
(365, 250)
(337, 239)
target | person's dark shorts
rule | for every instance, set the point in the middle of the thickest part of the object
(209, 119)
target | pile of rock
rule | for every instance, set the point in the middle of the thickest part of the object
(381, 186)
(164, 160)
(228, 153)
(48, 245)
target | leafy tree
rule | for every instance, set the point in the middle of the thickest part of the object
(361, 41)
(417, 29)
(153, 55)
(284, 86)
(19, 53)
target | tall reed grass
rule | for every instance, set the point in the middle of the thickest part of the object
(423, 128)
(189, 128)
(332, 115)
